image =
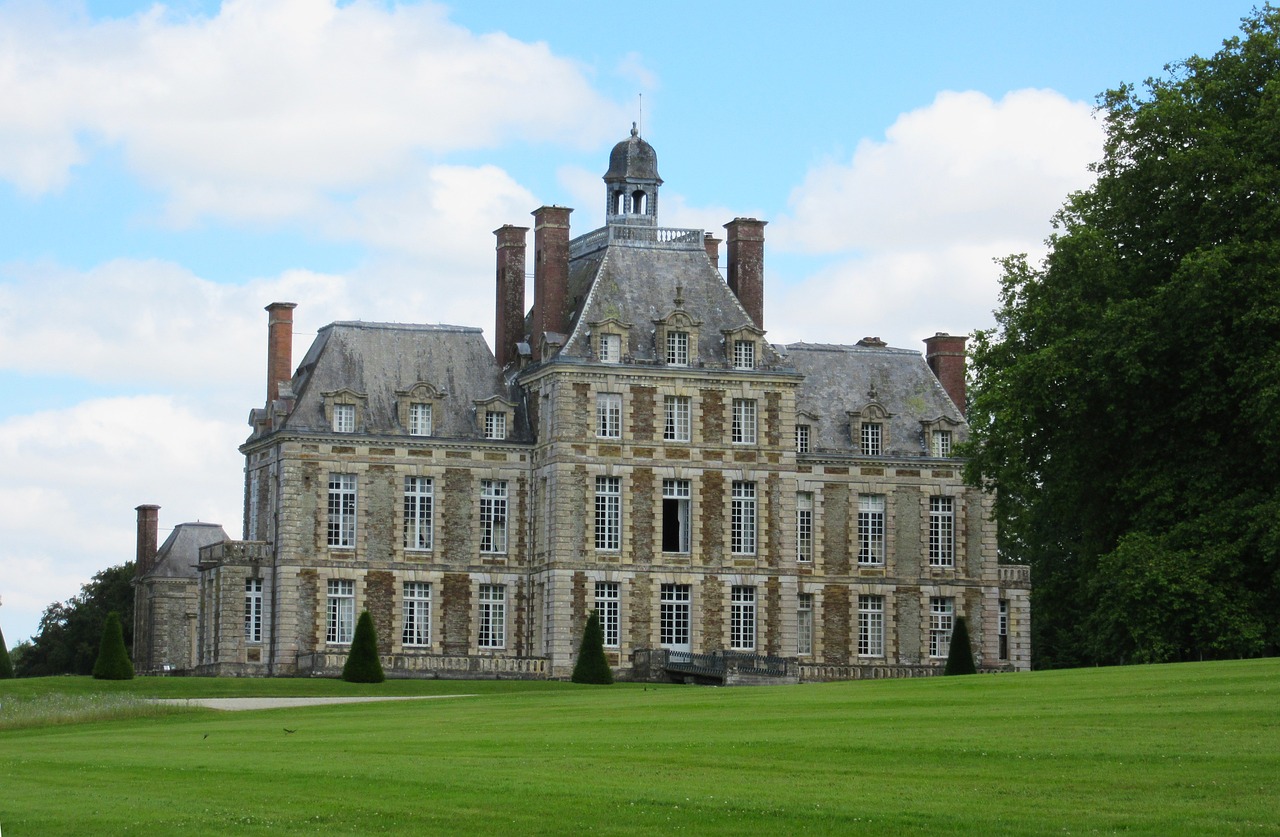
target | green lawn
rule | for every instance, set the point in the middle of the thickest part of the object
(1191, 748)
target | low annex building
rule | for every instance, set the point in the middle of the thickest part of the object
(633, 445)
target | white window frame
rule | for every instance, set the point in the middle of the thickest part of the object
(344, 418)
(742, 618)
(495, 424)
(872, 438)
(744, 354)
(677, 348)
(492, 613)
(608, 415)
(342, 511)
(871, 529)
(744, 421)
(611, 348)
(676, 499)
(608, 596)
(415, 609)
(803, 435)
(941, 623)
(341, 611)
(742, 526)
(870, 626)
(941, 443)
(804, 624)
(674, 612)
(942, 531)
(253, 610)
(493, 516)
(421, 419)
(419, 513)
(608, 514)
(804, 527)
(677, 418)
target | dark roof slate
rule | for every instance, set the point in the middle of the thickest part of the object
(180, 552)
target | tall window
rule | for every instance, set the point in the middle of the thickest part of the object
(610, 348)
(675, 515)
(607, 610)
(942, 532)
(342, 510)
(677, 348)
(418, 510)
(344, 418)
(942, 443)
(609, 415)
(804, 527)
(341, 611)
(420, 420)
(493, 616)
(871, 439)
(1002, 629)
(871, 626)
(744, 421)
(871, 529)
(493, 515)
(255, 497)
(675, 410)
(416, 613)
(743, 519)
(609, 513)
(742, 619)
(802, 438)
(804, 624)
(253, 610)
(673, 628)
(744, 354)
(495, 425)
(941, 619)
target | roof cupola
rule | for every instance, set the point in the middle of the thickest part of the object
(631, 184)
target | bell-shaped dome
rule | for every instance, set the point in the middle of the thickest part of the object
(632, 160)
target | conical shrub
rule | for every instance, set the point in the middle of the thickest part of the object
(6, 664)
(363, 665)
(960, 657)
(113, 660)
(592, 667)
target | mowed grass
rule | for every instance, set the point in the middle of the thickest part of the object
(1181, 749)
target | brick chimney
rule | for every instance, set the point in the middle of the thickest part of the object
(509, 311)
(550, 273)
(746, 265)
(713, 249)
(279, 346)
(148, 539)
(945, 355)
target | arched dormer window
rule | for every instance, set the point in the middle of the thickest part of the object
(418, 409)
(869, 429)
(676, 336)
(344, 410)
(940, 436)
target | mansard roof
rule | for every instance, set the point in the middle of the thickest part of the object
(379, 360)
(180, 552)
(839, 380)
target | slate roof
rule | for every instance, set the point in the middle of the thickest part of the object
(839, 379)
(178, 555)
(633, 159)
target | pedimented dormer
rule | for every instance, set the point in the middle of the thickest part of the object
(495, 418)
(418, 408)
(869, 428)
(344, 410)
(676, 337)
(611, 340)
(743, 347)
(940, 435)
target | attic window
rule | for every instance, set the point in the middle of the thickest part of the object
(610, 348)
(802, 438)
(941, 443)
(495, 425)
(744, 354)
(677, 348)
(871, 439)
(420, 419)
(344, 418)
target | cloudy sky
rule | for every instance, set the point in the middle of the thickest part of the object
(168, 170)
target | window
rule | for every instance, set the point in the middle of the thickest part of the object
(344, 418)
(942, 443)
(744, 354)
(609, 415)
(744, 421)
(871, 439)
(804, 624)
(676, 409)
(871, 529)
(607, 610)
(342, 510)
(253, 610)
(610, 348)
(677, 348)
(871, 626)
(493, 616)
(255, 497)
(675, 516)
(493, 515)
(802, 438)
(341, 610)
(742, 619)
(743, 519)
(418, 510)
(941, 532)
(941, 613)
(495, 425)
(804, 527)
(419, 419)
(1002, 629)
(608, 513)
(416, 613)
(673, 629)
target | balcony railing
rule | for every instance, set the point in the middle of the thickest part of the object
(665, 238)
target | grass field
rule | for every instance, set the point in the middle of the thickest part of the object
(1192, 748)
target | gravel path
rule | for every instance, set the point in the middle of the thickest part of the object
(239, 704)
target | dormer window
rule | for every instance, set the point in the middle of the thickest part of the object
(940, 436)
(495, 425)
(420, 419)
(610, 348)
(742, 346)
(802, 438)
(744, 354)
(344, 418)
(871, 439)
(677, 348)
(416, 408)
(941, 446)
(869, 429)
(344, 410)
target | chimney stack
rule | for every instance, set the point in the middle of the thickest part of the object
(746, 265)
(148, 539)
(509, 328)
(279, 346)
(945, 355)
(550, 273)
(713, 249)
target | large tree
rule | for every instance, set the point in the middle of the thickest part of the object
(1127, 405)
(71, 631)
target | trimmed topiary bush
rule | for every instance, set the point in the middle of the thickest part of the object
(6, 664)
(592, 667)
(113, 660)
(960, 657)
(363, 665)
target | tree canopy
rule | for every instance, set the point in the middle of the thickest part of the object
(1127, 405)
(71, 631)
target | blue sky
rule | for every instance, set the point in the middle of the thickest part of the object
(168, 170)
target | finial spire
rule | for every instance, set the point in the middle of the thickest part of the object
(634, 132)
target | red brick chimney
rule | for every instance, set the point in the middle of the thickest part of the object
(148, 539)
(746, 265)
(945, 355)
(279, 346)
(509, 311)
(713, 249)
(550, 272)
